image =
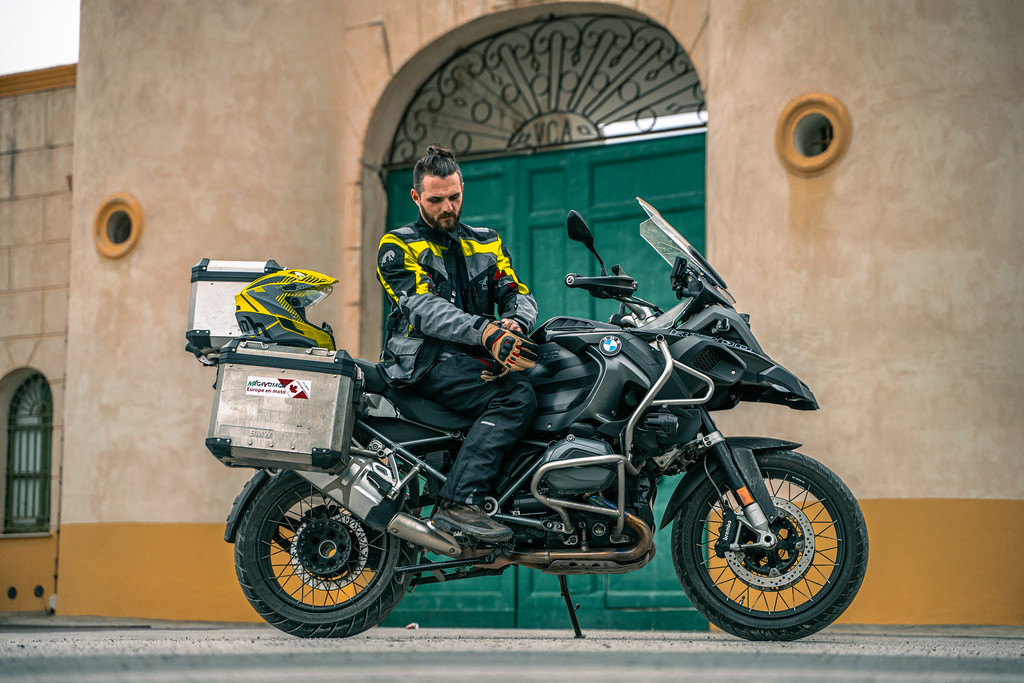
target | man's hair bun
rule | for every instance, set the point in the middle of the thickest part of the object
(438, 161)
(441, 152)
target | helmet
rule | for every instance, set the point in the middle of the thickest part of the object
(273, 308)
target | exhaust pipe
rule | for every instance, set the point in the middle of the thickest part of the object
(541, 559)
(358, 490)
(418, 532)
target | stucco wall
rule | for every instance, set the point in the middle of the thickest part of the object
(35, 208)
(36, 129)
(890, 283)
(225, 122)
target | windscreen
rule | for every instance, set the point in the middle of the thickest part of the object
(657, 232)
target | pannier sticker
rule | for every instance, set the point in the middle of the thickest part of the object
(269, 386)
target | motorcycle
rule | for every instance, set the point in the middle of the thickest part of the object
(767, 543)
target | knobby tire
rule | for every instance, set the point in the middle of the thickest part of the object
(799, 588)
(301, 592)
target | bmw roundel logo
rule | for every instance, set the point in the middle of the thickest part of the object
(611, 346)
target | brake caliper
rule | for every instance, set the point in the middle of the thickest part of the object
(728, 532)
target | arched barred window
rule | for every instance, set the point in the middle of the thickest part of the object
(29, 430)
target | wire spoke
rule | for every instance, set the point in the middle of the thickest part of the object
(291, 556)
(802, 576)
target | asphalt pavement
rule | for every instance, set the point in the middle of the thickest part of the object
(45, 648)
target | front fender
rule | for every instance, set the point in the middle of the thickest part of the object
(242, 502)
(696, 476)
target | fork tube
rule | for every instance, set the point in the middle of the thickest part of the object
(752, 511)
(733, 478)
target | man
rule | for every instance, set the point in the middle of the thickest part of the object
(444, 280)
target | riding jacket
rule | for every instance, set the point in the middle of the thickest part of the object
(443, 289)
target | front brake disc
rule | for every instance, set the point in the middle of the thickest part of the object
(776, 568)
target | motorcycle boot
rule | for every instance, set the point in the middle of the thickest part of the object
(471, 520)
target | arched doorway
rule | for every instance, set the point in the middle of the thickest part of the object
(579, 112)
(552, 82)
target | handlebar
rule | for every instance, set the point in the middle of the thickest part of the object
(603, 286)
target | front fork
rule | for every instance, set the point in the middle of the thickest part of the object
(745, 481)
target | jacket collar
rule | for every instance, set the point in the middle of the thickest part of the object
(436, 235)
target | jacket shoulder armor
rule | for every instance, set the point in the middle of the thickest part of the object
(405, 231)
(482, 235)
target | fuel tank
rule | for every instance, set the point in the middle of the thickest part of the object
(591, 372)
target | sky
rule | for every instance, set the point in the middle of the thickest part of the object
(37, 34)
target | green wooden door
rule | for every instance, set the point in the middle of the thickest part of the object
(526, 198)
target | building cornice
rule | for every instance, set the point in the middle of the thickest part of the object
(38, 81)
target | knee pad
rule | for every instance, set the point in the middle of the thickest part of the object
(522, 394)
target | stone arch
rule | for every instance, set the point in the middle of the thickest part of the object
(408, 83)
(556, 81)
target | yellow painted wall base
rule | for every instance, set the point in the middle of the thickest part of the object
(152, 571)
(931, 562)
(25, 563)
(942, 561)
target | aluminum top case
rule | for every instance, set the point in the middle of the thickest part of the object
(282, 407)
(211, 308)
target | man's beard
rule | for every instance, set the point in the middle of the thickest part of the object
(436, 224)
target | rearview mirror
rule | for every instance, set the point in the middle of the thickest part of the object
(579, 232)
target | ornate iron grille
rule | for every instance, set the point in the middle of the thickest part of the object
(29, 428)
(558, 81)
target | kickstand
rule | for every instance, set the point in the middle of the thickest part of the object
(564, 585)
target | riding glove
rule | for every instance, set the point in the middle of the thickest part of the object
(490, 375)
(508, 348)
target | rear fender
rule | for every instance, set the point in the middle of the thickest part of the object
(242, 502)
(696, 476)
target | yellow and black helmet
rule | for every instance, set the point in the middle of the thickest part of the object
(273, 308)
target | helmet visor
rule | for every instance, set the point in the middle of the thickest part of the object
(311, 297)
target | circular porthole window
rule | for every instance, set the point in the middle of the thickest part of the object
(118, 225)
(813, 133)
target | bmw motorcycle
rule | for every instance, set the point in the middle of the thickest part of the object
(767, 543)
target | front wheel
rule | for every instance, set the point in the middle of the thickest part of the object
(310, 567)
(796, 588)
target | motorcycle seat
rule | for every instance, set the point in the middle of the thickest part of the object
(410, 404)
(414, 407)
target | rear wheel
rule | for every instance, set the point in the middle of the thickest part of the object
(310, 567)
(796, 588)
